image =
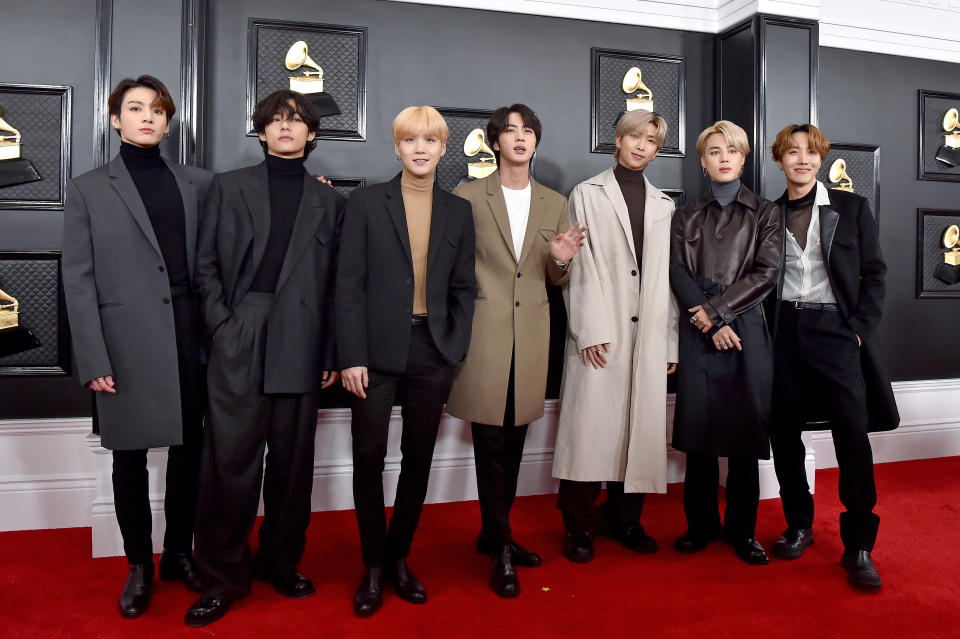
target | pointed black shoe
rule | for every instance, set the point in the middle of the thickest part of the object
(180, 566)
(205, 611)
(135, 597)
(695, 540)
(861, 573)
(369, 596)
(295, 585)
(578, 546)
(503, 576)
(792, 543)
(406, 584)
(751, 552)
(634, 537)
(521, 556)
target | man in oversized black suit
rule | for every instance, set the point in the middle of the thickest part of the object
(827, 360)
(404, 301)
(265, 266)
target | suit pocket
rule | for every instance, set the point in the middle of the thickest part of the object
(547, 234)
(845, 242)
(109, 304)
(453, 242)
(322, 236)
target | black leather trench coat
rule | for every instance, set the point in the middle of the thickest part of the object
(726, 260)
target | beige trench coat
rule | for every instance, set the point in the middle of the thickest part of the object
(512, 311)
(613, 420)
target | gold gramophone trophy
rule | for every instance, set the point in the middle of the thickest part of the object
(644, 97)
(485, 165)
(13, 337)
(13, 168)
(949, 151)
(948, 271)
(9, 311)
(309, 81)
(838, 175)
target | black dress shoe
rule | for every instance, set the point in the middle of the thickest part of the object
(135, 597)
(578, 546)
(369, 595)
(205, 611)
(406, 584)
(792, 543)
(633, 537)
(503, 576)
(180, 566)
(750, 551)
(295, 585)
(694, 540)
(521, 555)
(861, 573)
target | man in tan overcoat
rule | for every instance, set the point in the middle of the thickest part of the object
(622, 342)
(522, 246)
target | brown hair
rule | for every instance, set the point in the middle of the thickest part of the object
(784, 142)
(634, 122)
(500, 120)
(163, 99)
(278, 102)
(732, 133)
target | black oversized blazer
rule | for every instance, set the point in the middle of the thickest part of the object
(234, 229)
(374, 298)
(855, 267)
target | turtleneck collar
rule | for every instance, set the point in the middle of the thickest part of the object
(624, 174)
(804, 201)
(725, 192)
(416, 183)
(285, 166)
(139, 156)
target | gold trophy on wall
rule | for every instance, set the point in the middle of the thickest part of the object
(474, 144)
(838, 175)
(309, 83)
(632, 81)
(9, 311)
(13, 168)
(13, 337)
(949, 151)
(948, 271)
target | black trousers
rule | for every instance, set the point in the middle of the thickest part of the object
(817, 363)
(700, 485)
(421, 390)
(242, 422)
(131, 491)
(498, 451)
(577, 501)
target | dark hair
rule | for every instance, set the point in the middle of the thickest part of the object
(500, 120)
(278, 102)
(164, 100)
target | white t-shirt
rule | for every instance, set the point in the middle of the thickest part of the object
(518, 210)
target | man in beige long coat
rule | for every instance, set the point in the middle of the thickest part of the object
(522, 245)
(622, 342)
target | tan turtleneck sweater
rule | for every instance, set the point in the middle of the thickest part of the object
(418, 205)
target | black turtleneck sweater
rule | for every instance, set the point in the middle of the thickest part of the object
(161, 197)
(799, 214)
(635, 194)
(285, 180)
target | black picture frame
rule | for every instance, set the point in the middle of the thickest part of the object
(931, 109)
(607, 67)
(930, 226)
(340, 49)
(679, 196)
(863, 167)
(41, 113)
(42, 310)
(347, 185)
(452, 166)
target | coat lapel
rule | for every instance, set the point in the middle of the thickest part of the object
(123, 184)
(615, 195)
(828, 229)
(256, 193)
(438, 224)
(394, 204)
(498, 206)
(533, 219)
(308, 217)
(188, 193)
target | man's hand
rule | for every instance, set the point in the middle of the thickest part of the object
(565, 245)
(323, 180)
(671, 368)
(700, 320)
(329, 379)
(725, 339)
(102, 384)
(594, 355)
(355, 379)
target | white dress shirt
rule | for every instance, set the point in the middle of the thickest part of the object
(805, 271)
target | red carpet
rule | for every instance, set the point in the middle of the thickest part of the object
(49, 587)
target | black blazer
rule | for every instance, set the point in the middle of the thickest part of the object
(234, 229)
(855, 267)
(374, 298)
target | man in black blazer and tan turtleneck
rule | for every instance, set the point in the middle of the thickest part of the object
(265, 263)
(404, 303)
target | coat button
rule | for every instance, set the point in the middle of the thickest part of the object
(719, 236)
(516, 303)
(634, 318)
(303, 301)
(728, 316)
(166, 300)
(409, 281)
(160, 268)
(634, 273)
(518, 275)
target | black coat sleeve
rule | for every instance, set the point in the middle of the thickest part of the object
(330, 339)
(351, 294)
(869, 304)
(682, 281)
(206, 273)
(463, 283)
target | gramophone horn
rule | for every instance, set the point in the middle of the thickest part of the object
(950, 120)
(297, 57)
(475, 143)
(5, 127)
(838, 170)
(631, 80)
(951, 236)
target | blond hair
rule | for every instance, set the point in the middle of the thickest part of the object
(416, 120)
(733, 134)
(635, 123)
